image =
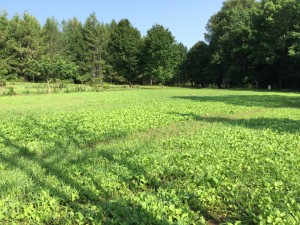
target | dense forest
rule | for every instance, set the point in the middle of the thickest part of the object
(248, 44)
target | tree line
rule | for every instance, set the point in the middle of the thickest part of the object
(88, 52)
(248, 43)
(253, 42)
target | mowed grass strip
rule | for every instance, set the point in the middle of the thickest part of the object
(171, 156)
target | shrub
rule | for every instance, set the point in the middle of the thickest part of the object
(10, 91)
(2, 82)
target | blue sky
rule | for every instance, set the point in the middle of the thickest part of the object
(186, 19)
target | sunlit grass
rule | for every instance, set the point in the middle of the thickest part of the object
(162, 156)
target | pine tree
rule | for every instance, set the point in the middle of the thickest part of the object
(96, 37)
(4, 66)
(24, 45)
(51, 37)
(73, 43)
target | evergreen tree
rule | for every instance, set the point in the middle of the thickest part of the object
(4, 67)
(73, 42)
(24, 45)
(51, 37)
(96, 37)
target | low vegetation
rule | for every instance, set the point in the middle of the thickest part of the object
(165, 156)
(55, 87)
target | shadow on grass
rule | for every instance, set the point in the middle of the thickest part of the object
(57, 167)
(283, 125)
(56, 162)
(267, 101)
(53, 162)
(155, 183)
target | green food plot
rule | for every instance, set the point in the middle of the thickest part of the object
(169, 156)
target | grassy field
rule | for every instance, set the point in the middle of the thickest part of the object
(25, 88)
(165, 156)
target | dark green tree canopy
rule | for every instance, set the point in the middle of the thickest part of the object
(124, 47)
(160, 53)
(4, 67)
(255, 42)
(248, 42)
(196, 62)
(24, 44)
(96, 37)
(51, 37)
(230, 32)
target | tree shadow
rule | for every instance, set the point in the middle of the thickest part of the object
(90, 191)
(119, 210)
(283, 125)
(267, 101)
(155, 183)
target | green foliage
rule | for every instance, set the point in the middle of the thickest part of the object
(160, 54)
(180, 75)
(249, 43)
(196, 63)
(96, 37)
(73, 42)
(230, 32)
(32, 69)
(23, 45)
(51, 37)
(255, 42)
(10, 91)
(124, 48)
(4, 67)
(2, 81)
(57, 68)
(166, 156)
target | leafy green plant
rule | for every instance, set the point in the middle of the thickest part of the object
(10, 91)
(159, 156)
(2, 81)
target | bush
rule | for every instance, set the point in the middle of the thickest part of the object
(26, 92)
(80, 89)
(2, 83)
(10, 92)
(96, 82)
(105, 86)
(55, 90)
(21, 79)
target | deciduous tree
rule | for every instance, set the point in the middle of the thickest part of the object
(124, 49)
(160, 53)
